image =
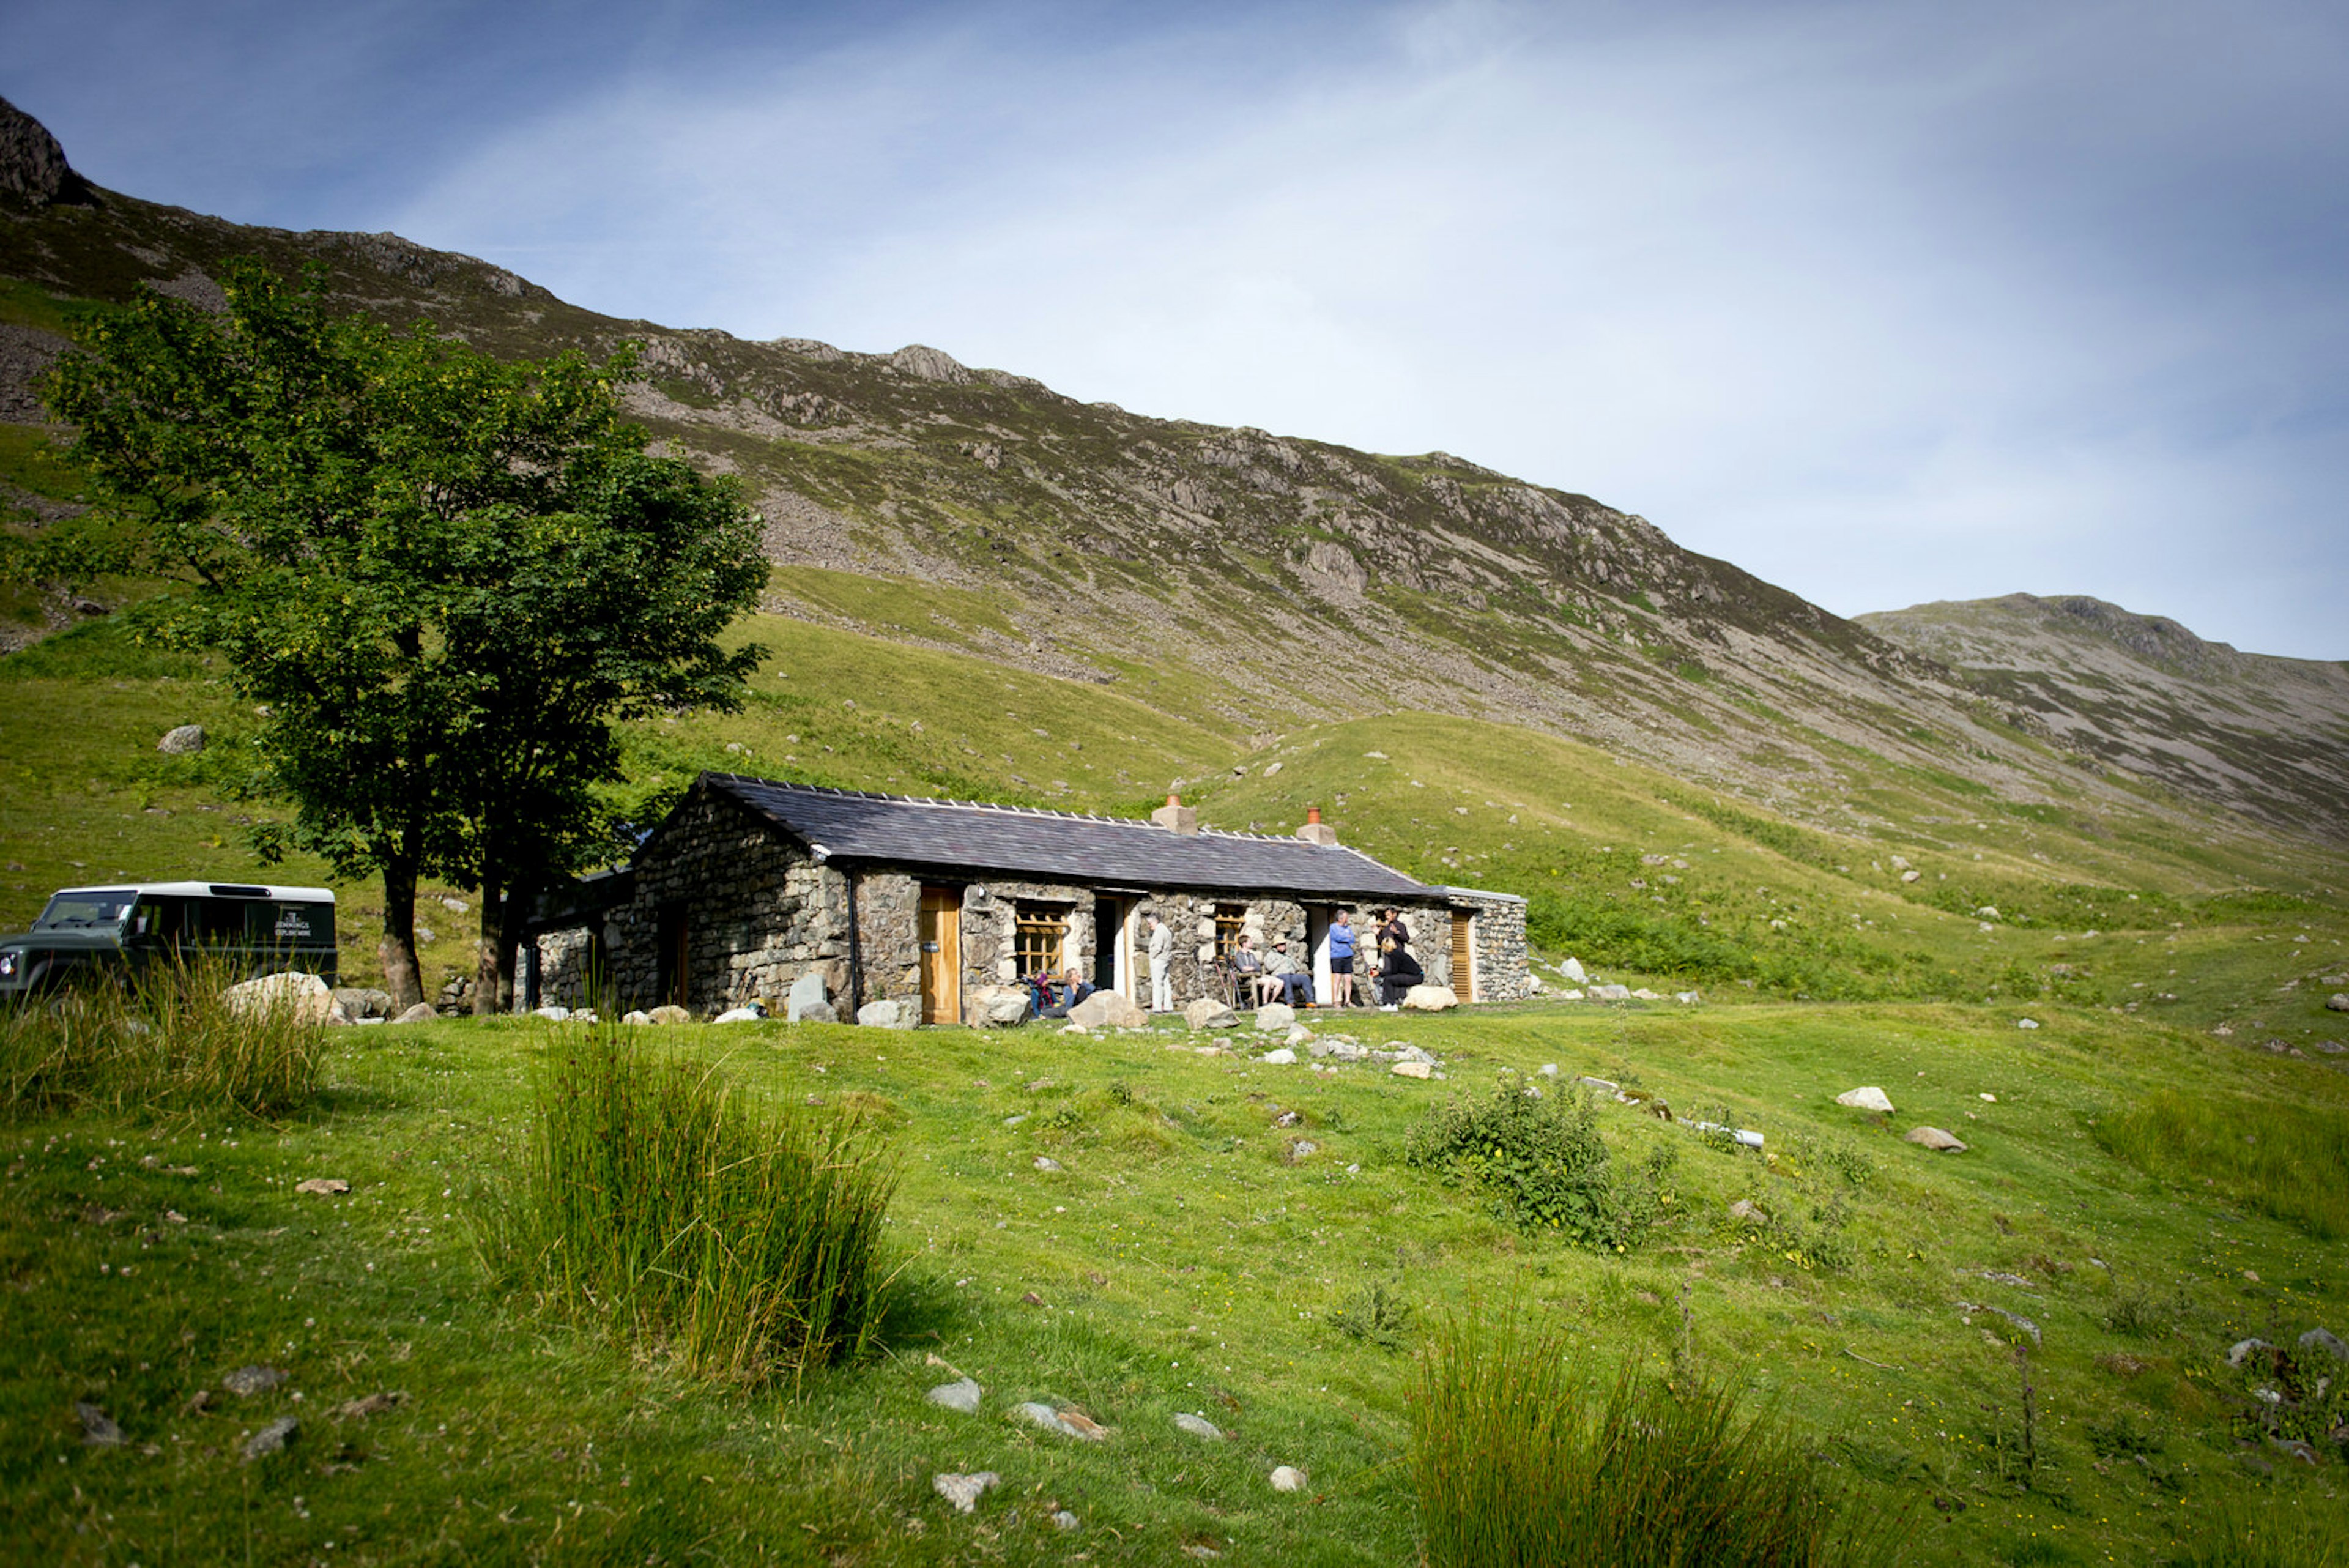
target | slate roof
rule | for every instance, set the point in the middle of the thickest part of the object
(1060, 845)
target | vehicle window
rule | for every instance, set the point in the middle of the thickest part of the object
(221, 920)
(157, 920)
(80, 911)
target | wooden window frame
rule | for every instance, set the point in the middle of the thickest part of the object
(1033, 926)
(1231, 923)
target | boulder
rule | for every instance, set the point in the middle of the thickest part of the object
(1275, 1016)
(306, 996)
(182, 741)
(2326, 1340)
(2242, 1350)
(358, 1002)
(1108, 1009)
(749, 1013)
(1208, 1013)
(889, 1013)
(421, 1012)
(1284, 1057)
(996, 1006)
(1747, 1212)
(806, 992)
(1611, 993)
(961, 1395)
(669, 1012)
(819, 1013)
(1688, 998)
(2338, 1002)
(1935, 1139)
(1572, 969)
(1430, 999)
(1300, 1035)
(1868, 1097)
(551, 1013)
(1569, 995)
(636, 1018)
(1413, 1070)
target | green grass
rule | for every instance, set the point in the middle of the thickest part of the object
(659, 1206)
(2265, 1155)
(171, 1042)
(1519, 1462)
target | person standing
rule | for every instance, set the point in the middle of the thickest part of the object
(1161, 949)
(1398, 971)
(1341, 959)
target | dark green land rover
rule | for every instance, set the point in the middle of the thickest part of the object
(89, 933)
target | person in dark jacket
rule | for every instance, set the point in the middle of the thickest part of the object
(1398, 971)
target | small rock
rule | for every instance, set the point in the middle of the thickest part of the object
(1548, 1069)
(1284, 1057)
(1868, 1097)
(323, 1186)
(2242, 1350)
(1303, 1149)
(1208, 1013)
(1064, 1520)
(247, 1381)
(1413, 1070)
(1644, 994)
(1687, 998)
(750, 1012)
(2324, 1339)
(1745, 1208)
(1288, 1477)
(1045, 1162)
(1275, 1017)
(636, 1017)
(1935, 1139)
(1199, 1427)
(551, 1013)
(181, 741)
(1067, 1423)
(1300, 1035)
(2338, 1002)
(2026, 1023)
(421, 1013)
(1611, 993)
(961, 1395)
(271, 1438)
(889, 1013)
(98, 1429)
(1572, 969)
(373, 1404)
(670, 1012)
(1909, 876)
(962, 1490)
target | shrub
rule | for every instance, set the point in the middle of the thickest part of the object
(1518, 1459)
(1375, 1316)
(658, 1204)
(2260, 1152)
(1542, 1163)
(166, 1041)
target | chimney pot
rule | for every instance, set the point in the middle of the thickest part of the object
(1312, 813)
(1317, 831)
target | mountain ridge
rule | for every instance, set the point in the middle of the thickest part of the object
(1282, 577)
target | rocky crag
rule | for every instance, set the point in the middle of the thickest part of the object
(1289, 578)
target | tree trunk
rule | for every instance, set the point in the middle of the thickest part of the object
(517, 905)
(401, 977)
(486, 945)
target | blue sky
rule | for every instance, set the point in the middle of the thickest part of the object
(1884, 302)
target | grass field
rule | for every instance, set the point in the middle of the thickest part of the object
(1181, 1260)
(2152, 1177)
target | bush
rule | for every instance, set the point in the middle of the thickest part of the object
(1518, 1460)
(1374, 1317)
(658, 1205)
(1543, 1164)
(2260, 1152)
(167, 1041)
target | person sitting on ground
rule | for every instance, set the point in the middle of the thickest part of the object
(1398, 971)
(1072, 990)
(1296, 985)
(1248, 969)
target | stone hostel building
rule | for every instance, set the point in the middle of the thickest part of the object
(750, 885)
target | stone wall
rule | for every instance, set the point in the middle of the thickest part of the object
(888, 937)
(758, 914)
(562, 963)
(1502, 972)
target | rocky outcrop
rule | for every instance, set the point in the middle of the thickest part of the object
(33, 168)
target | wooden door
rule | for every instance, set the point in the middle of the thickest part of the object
(1464, 956)
(941, 940)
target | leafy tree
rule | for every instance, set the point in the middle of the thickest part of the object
(443, 576)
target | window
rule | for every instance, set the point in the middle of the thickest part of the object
(1230, 919)
(1039, 938)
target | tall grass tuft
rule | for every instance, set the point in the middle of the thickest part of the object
(1519, 1458)
(166, 1041)
(658, 1204)
(2278, 1532)
(2269, 1155)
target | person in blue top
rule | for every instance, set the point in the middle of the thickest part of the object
(1341, 959)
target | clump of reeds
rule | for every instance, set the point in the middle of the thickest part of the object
(1519, 1457)
(661, 1206)
(2278, 1532)
(167, 1039)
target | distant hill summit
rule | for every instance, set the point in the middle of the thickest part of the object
(2266, 736)
(1268, 580)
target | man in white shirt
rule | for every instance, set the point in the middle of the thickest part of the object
(1162, 953)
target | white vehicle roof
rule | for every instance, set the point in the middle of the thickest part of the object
(212, 890)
